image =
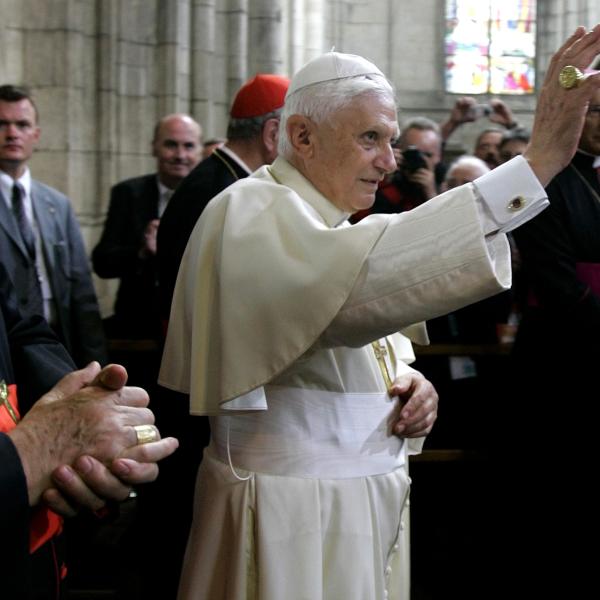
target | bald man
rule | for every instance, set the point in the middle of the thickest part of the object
(127, 247)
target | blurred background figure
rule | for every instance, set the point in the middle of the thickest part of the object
(468, 110)
(487, 146)
(463, 170)
(127, 248)
(513, 143)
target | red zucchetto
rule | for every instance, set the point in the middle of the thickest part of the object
(262, 94)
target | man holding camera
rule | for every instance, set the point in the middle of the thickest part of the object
(418, 152)
(467, 110)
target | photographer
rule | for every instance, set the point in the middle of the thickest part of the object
(419, 153)
(467, 110)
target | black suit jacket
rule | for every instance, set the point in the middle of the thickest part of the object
(31, 357)
(210, 177)
(552, 246)
(133, 203)
(78, 324)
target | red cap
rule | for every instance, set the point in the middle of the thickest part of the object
(261, 95)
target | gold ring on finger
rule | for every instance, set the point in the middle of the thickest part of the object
(145, 434)
(570, 77)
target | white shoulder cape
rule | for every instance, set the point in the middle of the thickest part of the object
(264, 273)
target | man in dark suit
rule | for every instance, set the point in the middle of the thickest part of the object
(48, 446)
(40, 241)
(252, 137)
(127, 247)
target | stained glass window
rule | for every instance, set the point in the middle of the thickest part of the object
(490, 46)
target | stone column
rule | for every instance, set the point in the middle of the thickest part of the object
(314, 30)
(206, 76)
(295, 27)
(265, 54)
(173, 58)
(237, 45)
(59, 65)
(11, 42)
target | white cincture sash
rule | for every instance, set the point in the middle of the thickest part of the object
(313, 434)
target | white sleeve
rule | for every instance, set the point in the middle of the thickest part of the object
(449, 252)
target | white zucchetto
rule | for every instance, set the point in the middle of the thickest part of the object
(331, 66)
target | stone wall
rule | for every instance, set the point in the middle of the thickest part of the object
(103, 71)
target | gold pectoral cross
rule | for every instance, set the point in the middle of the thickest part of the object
(380, 353)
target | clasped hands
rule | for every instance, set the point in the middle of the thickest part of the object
(78, 444)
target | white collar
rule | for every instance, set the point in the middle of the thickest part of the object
(6, 184)
(163, 190)
(286, 173)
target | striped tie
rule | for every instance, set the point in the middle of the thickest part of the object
(35, 301)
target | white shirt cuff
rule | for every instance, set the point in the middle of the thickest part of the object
(510, 196)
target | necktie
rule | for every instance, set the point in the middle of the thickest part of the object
(35, 304)
(22, 221)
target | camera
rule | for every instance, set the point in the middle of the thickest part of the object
(413, 160)
(480, 110)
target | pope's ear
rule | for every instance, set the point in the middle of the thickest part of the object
(300, 131)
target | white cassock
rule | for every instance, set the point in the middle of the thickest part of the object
(303, 491)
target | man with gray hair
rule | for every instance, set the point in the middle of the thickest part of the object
(283, 330)
(423, 135)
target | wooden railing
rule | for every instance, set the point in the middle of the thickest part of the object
(463, 350)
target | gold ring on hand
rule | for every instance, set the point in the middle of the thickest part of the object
(570, 77)
(146, 434)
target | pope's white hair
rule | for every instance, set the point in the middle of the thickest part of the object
(320, 101)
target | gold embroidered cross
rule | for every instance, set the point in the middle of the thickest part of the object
(380, 354)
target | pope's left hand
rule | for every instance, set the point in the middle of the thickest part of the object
(420, 400)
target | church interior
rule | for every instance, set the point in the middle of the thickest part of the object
(104, 72)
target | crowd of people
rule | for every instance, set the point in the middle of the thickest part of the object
(284, 272)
